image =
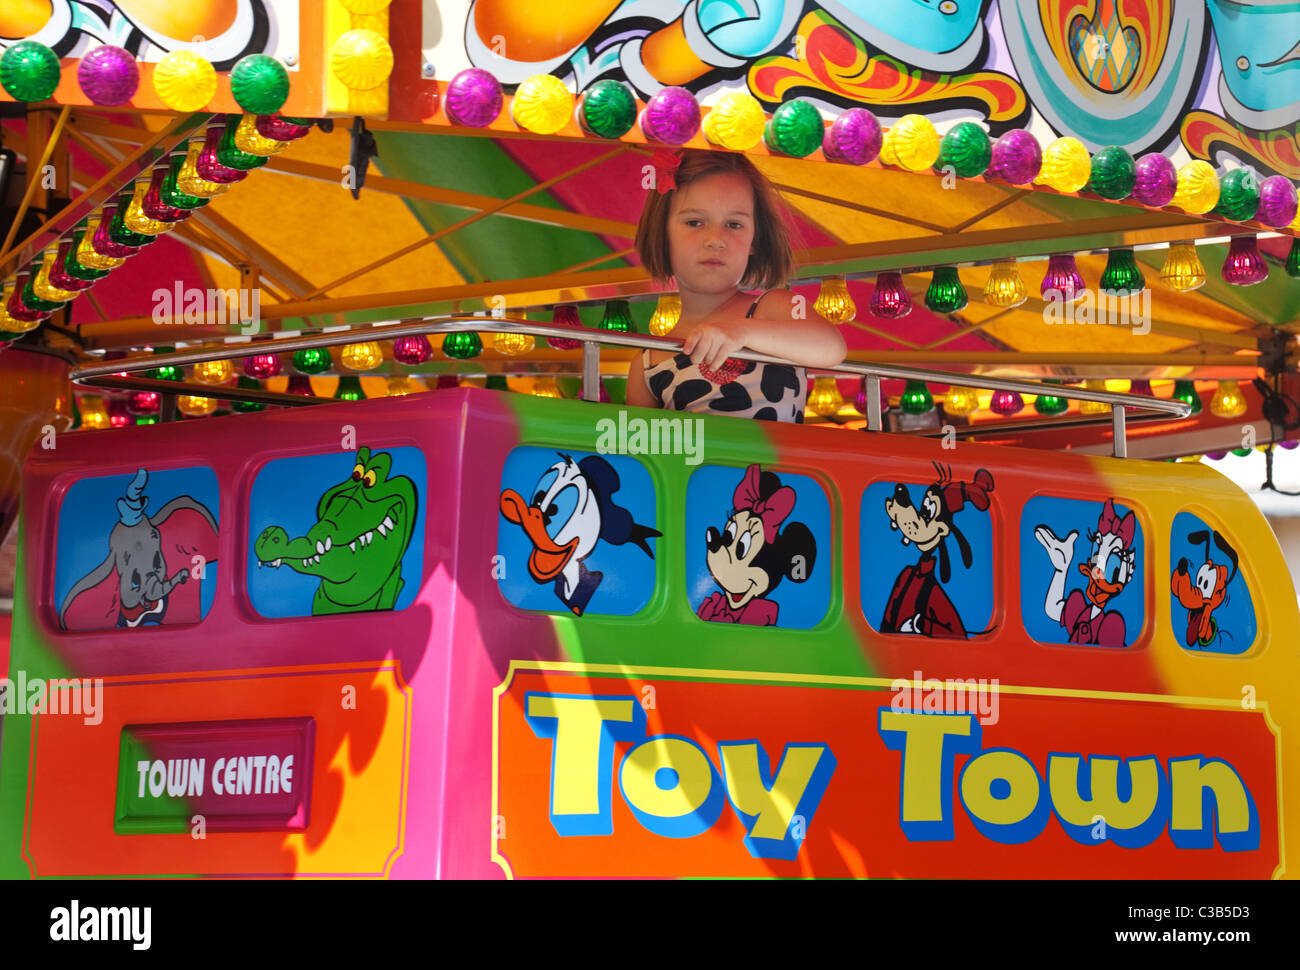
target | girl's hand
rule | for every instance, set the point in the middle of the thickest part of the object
(710, 344)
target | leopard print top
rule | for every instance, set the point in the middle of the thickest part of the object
(764, 392)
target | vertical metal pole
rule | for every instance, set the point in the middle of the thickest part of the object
(590, 370)
(1117, 422)
(874, 422)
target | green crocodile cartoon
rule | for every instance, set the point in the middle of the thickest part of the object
(363, 527)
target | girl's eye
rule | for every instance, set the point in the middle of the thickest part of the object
(742, 547)
(729, 534)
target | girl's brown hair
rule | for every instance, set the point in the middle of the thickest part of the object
(770, 265)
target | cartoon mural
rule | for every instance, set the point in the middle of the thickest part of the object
(1223, 76)
(145, 578)
(918, 602)
(572, 511)
(1085, 614)
(737, 558)
(1216, 611)
(356, 549)
(225, 29)
(752, 554)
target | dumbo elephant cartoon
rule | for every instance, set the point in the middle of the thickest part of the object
(145, 578)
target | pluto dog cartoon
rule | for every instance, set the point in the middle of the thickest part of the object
(144, 579)
(918, 603)
(573, 509)
(752, 554)
(1202, 592)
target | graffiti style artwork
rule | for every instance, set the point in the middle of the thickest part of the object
(357, 548)
(772, 532)
(149, 569)
(1210, 604)
(593, 508)
(148, 29)
(1111, 561)
(946, 590)
(1222, 75)
(1109, 72)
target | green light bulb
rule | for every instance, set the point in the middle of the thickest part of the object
(1186, 391)
(349, 389)
(945, 293)
(916, 398)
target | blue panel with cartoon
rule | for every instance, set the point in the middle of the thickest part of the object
(1210, 603)
(576, 532)
(753, 541)
(137, 550)
(337, 533)
(927, 555)
(1085, 596)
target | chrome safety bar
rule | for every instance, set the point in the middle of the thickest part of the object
(591, 342)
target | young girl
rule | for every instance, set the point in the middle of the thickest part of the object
(713, 224)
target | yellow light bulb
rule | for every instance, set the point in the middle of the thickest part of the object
(960, 401)
(1005, 288)
(1066, 165)
(834, 302)
(94, 412)
(188, 179)
(1190, 458)
(7, 322)
(668, 310)
(736, 121)
(542, 104)
(86, 254)
(190, 406)
(214, 372)
(399, 385)
(184, 81)
(42, 286)
(825, 397)
(249, 139)
(511, 344)
(912, 144)
(1228, 401)
(1094, 407)
(1183, 270)
(363, 356)
(1198, 188)
(546, 387)
(136, 220)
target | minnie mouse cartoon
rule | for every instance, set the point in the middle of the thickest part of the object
(751, 555)
(917, 603)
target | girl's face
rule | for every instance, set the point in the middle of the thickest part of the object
(711, 232)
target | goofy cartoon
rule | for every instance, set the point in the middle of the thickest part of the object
(572, 509)
(917, 603)
(1202, 593)
(1109, 567)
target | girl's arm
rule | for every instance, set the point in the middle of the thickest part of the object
(638, 395)
(811, 342)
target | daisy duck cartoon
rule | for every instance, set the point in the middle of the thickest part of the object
(1108, 569)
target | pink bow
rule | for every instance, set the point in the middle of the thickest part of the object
(771, 510)
(1111, 524)
(665, 164)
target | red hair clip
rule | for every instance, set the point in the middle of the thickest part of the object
(665, 163)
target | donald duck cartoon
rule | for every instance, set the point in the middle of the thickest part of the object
(572, 509)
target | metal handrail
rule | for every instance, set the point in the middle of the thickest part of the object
(592, 340)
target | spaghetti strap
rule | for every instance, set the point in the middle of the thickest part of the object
(754, 306)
